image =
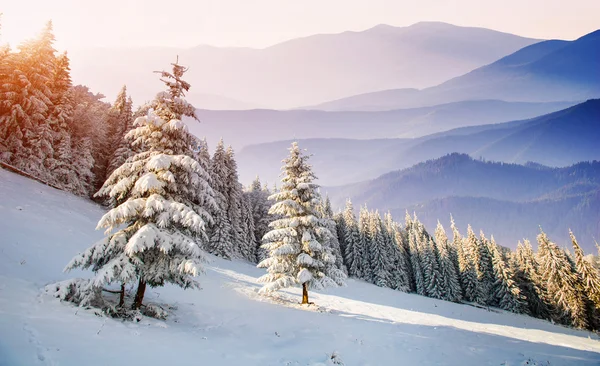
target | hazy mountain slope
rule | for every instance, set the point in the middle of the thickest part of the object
(303, 71)
(460, 175)
(546, 71)
(556, 139)
(508, 199)
(243, 128)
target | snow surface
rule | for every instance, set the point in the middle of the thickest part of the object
(228, 322)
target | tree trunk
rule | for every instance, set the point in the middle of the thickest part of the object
(122, 296)
(139, 295)
(304, 293)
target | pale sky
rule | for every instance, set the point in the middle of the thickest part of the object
(261, 23)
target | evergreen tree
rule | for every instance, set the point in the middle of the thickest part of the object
(354, 253)
(364, 222)
(298, 245)
(506, 291)
(61, 113)
(402, 267)
(157, 222)
(221, 241)
(452, 290)
(433, 278)
(248, 249)
(259, 203)
(412, 228)
(485, 270)
(378, 256)
(532, 285)
(234, 192)
(567, 298)
(25, 125)
(327, 215)
(120, 123)
(400, 275)
(589, 277)
(468, 272)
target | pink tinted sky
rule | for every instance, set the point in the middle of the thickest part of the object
(260, 23)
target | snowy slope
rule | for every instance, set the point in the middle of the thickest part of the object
(227, 322)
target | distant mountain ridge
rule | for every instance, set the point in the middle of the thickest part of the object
(560, 138)
(243, 128)
(303, 71)
(546, 71)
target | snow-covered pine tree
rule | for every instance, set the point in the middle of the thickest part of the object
(157, 223)
(299, 253)
(364, 221)
(340, 226)
(567, 299)
(590, 281)
(120, 123)
(468, 273)
(452, 290)
(532, 285)
(248, 249)
(234, 192)
(431, 268)
(379, 260)
(454, 247)
(412, 228)
(26, 95)
(472, 248)
(202, 154)
(485, 269)
(61, 114)
(221, 241)
(259, 202)
(327, 214)
(400, 265)
(507, 294)
(354, 250)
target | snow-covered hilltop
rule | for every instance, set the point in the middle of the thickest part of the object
(227, 322)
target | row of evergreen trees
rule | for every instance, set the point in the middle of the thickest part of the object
(550, 284)
(59, 133)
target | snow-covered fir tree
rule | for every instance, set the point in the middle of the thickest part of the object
(485, 269)
(379, 261)
(25, 124)
(433, 277)
(452, 290)
(233, 194)
(327, 214)
(412, 228)
(364, 222)
(398, 254)
(354, 249)
(562, 283)
(589, 276)
(221, 240)
(506, 291)
(468, 273)
(298, 244)
(258, 197)
(530, 282)
(155, 228)
(472, 249)
(120, 123)
(249, 242)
